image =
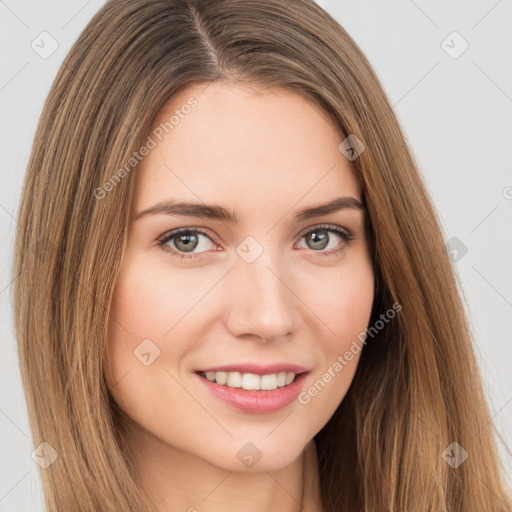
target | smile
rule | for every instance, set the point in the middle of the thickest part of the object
(251, 392)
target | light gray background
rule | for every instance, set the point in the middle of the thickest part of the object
(456, 114)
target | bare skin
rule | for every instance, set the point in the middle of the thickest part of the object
(266, 154)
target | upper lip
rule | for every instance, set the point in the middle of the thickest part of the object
(258, 369)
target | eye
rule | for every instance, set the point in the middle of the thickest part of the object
(319, 238)
(185, 239)
(183, 242)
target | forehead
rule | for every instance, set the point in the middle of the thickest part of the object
(243, 144)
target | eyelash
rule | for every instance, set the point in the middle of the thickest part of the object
(346, 236)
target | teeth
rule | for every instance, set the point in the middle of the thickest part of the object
(269, 382)
(234, 379)
(220, 377)
(251, 381)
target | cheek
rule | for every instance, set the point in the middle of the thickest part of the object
(152, 320)
(144, 340)
(150, 302)
(342, 302)
(140, 316)
(143, 300)
(343, 312)
(354, 306)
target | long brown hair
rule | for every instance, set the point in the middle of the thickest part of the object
(417, 388)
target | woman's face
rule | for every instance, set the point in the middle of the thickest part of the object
(260, 290)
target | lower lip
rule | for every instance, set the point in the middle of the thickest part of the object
(256, 402)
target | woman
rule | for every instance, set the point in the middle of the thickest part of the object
(233, 289)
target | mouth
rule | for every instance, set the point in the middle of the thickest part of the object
(250, 381)
(263, 392)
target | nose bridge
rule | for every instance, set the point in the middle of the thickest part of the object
(260, 296)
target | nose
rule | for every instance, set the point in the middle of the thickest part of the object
(260, 299)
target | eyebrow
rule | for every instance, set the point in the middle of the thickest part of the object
(216, 212)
